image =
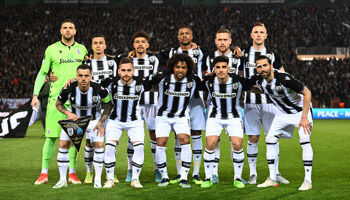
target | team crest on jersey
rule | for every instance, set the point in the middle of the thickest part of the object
(269, 56)
(152, 58)
(279, 88)
(196, 52)
(234, 61)
(138, 88)
(235, 86)
(78, 51)
(189, 84)
(70, 131)
(95, 99)
(110, 63)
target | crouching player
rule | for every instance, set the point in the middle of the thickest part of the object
(126, 91)
(84, 96)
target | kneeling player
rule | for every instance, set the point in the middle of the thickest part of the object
(224, 92)
(84, 95)
(126, 92)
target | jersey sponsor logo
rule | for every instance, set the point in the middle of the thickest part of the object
(70, 60)
(143, 67)
(126, 97)
(82, 107)
(177, 94)
(102, 72)
(224, 95)
(275, 96)
(250, 65)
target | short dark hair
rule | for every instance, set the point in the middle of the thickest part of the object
(259, 24)
(223, 30)
(185, 26)
(67, 21)
(125, 60)
(140, 34)
(262, 57)
(98, 35)
(181, 57)
(84, 67)
(220, 59)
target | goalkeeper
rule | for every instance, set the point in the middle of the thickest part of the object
(63, 58)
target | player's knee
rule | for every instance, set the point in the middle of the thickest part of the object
(98, 145)
(271, 139)
(304, 138)
(64, 144)
(161, 142)
(237, 145)
(253, 138)
(88, 143)
(211, 144)
(184, 138)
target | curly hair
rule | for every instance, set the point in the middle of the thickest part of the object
(181, 57)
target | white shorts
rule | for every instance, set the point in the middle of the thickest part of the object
(149, 112)
(197, 114)
(89, 134)
(256, 115)
(283, 124)
(165, 124)
(115, 128)
(233, 127)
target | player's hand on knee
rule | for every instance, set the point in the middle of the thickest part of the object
(305, 123)
(100, 129)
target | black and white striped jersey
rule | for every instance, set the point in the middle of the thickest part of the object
(144, 67)
(104, 68)
(174, 96)
(196, 55)
(224, 97)
(85, 103)
(125, 98)
(247, 64)
(284, 91)
(233, 62)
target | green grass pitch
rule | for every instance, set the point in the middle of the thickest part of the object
(20, 165)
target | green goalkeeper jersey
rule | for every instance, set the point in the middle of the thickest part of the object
(63, 60)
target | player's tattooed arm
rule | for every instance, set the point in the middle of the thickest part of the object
(106, 112)
(62, 109)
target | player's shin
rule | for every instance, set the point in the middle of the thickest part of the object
(110, 159)
(137, 160)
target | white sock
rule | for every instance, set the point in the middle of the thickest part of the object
(63, 163)
(137, 160)
(238, 161)
(197, 153)
(277, 157)
(88, 155)
(271, 154)
(44, 171)
(209, 157)
(217, 158)
(110, 159)
(186, 158)
(307, 153)
(161, 161)
(252, 154)
(177, 149)
(98, 163)
(130, 153)
(153, 149)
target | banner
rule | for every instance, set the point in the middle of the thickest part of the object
(331, 113)
(75, 130)
(16, 123)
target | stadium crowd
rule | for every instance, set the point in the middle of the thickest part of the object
(28, 30)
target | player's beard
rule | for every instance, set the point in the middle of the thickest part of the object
(126, 79)
(68, 38)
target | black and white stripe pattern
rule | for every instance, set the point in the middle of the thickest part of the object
(195, 54)
(284, 92)
(144, 67)
(233, 62)
(174, 96)
(224, 97)
(84, 103)
(125, 98)
(102, 69)
(249, 68)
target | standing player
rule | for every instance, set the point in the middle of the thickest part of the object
(63, 58)
(196, 106)
(103, 66)
(84, 96)
(145, 64)
(224, 92)
(258, 108)
(126, 92)
(292, 99)
(223, 42)
(177, 86)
